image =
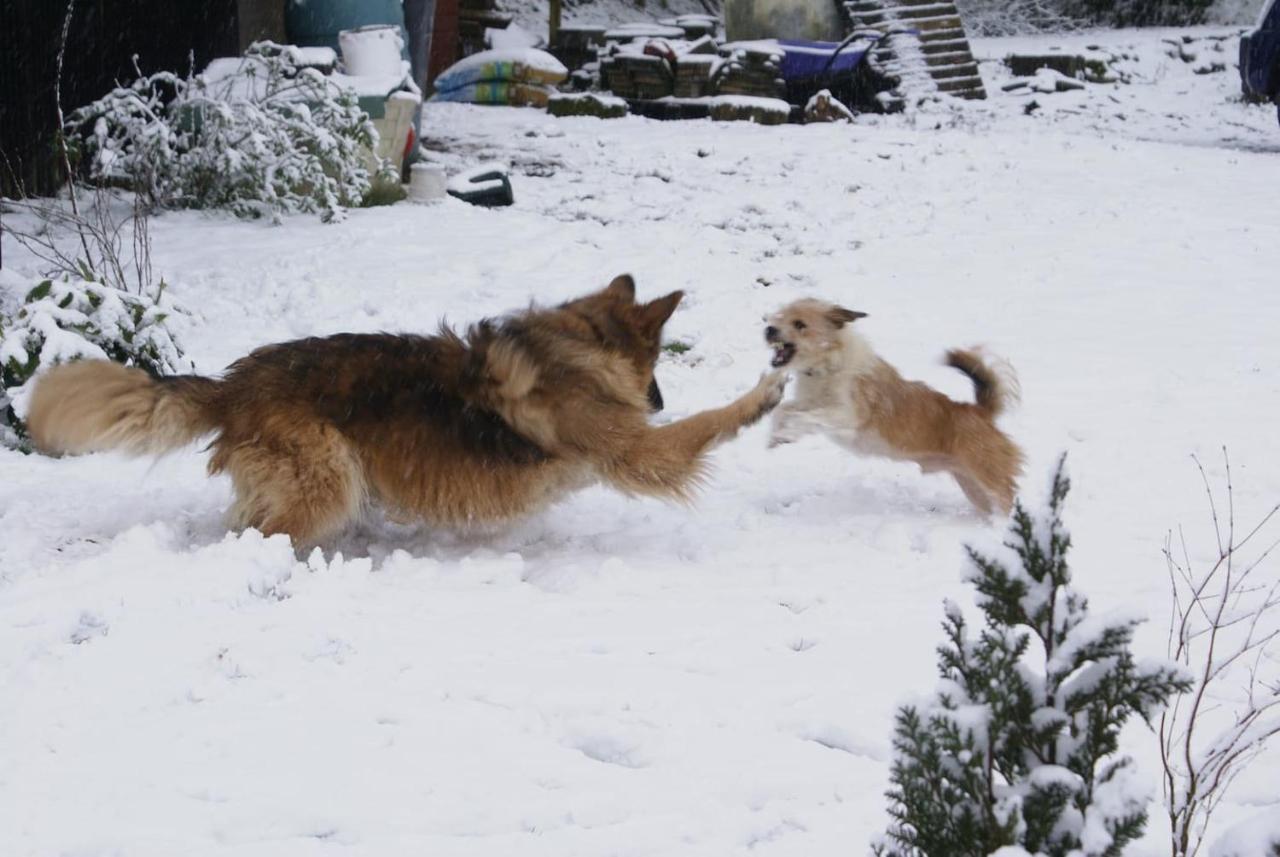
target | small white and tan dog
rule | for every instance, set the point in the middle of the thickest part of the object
(845, 391)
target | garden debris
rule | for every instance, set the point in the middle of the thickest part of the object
(693, 74)
(587, 104)
(1094, 68)
(638, 75)
(1191, 50)
(1045, 80)
(675, 77)
(751, 68)
(486, 185)
(624, 33)
(694, 26)
(577, 46)
(474, 17)
(748, 108)
(824, 107)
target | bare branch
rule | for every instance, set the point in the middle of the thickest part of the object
(1222, 623)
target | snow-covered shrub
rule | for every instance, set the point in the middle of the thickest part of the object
(1014, 17)
(268, 136)
(1139, 13)
(57, 321)
(1017, 749)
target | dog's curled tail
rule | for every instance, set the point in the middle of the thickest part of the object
(995, 384)
(93, 405)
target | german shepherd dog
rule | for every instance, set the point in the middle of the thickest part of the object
(455, 430)
(845, 391)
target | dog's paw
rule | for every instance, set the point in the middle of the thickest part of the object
(763, 398)
(771, 387)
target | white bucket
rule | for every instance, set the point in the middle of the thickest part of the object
(426, 183)
(372, 51)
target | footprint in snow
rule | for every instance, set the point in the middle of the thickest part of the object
(838, 738)
(88, 626)
(610, 749)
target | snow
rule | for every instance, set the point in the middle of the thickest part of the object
(619, 676)
(511, 37)
(1258, 836)
(373, 85)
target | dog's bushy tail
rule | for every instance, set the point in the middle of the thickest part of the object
(93, 405)
(995, 385)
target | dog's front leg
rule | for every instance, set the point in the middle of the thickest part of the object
(667, 461)
(790, 423)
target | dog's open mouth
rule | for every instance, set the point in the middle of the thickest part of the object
(782, 354)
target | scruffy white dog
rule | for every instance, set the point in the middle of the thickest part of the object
(845, 391)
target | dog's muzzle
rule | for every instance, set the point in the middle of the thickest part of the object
(782, 351)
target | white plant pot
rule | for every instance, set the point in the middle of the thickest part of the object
(426, 183)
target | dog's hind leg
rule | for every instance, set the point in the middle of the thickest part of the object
(997, 469)
(973, 489)
(307, 483)
(935, 463)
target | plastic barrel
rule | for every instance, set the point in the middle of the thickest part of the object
(318, 22)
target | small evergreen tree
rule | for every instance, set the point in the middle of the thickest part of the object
(1007, 755)
(66, 319)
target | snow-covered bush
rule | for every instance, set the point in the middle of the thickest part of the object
(1012, 17)
(1015, 17)
(1139, 13)
(57, 321)
(1017, 749)
(269, 136)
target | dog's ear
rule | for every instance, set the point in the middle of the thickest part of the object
(655, 313)
(839, 316)
(622, 289)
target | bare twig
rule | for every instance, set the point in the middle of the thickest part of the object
(62, 122)
(1223, 627)
(100, 230)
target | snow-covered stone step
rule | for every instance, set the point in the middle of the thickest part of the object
(940, 73)
(960, 84)
(953, 58)
(935, 36)
(934, 59)
(923, 10)
(945, 46)
(876, 5)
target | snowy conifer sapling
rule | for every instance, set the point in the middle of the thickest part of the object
(1017, 748)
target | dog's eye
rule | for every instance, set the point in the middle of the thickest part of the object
(799, 325)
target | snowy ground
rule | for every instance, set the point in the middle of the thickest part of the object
(617, 676)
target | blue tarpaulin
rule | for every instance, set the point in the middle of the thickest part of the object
(805, 60)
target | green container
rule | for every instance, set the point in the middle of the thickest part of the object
(316, 23)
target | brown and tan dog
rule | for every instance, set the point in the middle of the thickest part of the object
(845, 391)
(454, 430)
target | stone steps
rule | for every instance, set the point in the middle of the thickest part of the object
(938, 50)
